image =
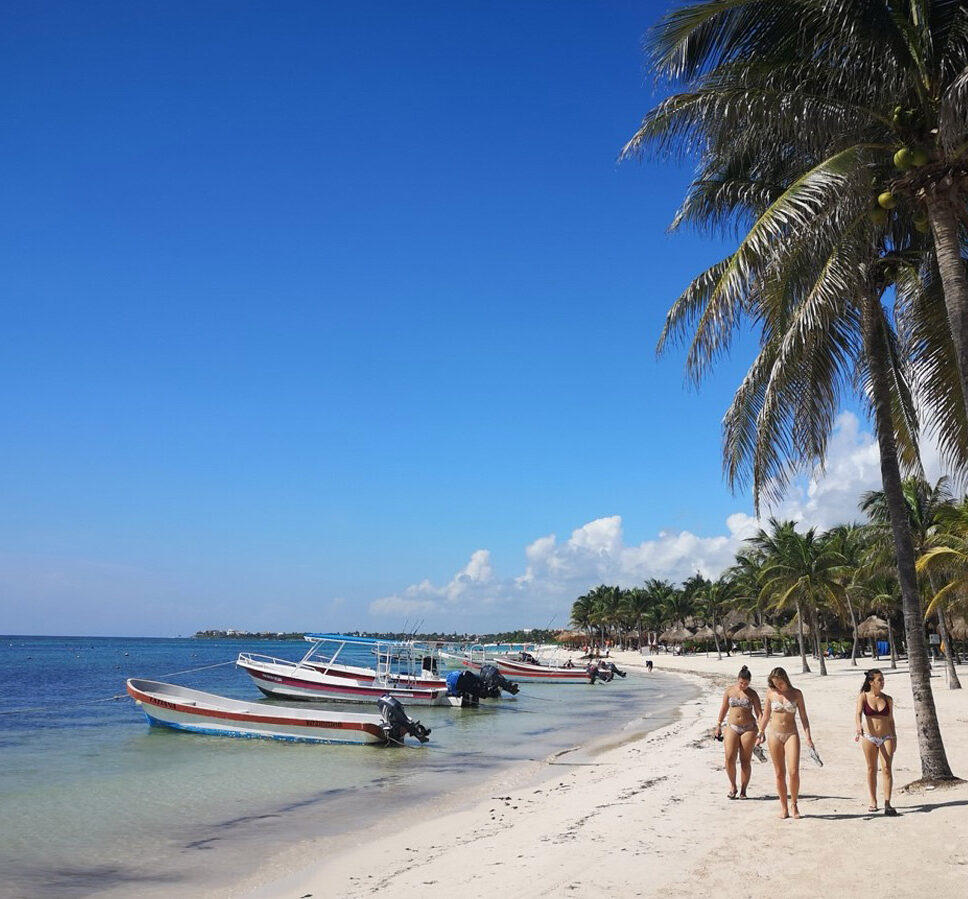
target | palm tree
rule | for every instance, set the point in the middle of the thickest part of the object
(850, 541)
(845, 81)
(945, 562)
(801, 570)
(712, 599)
(925, 504)
(812, 269)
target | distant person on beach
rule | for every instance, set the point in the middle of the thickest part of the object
(880, 738)
(783, 701)
(648, 664)
(739, 712)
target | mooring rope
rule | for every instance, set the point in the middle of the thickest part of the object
(114, 698)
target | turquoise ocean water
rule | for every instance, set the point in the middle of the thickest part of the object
(94, 802)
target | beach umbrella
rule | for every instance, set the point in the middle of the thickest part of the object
(666, 636)
(704, 633)
(872, 628)
(765, 631)
(790, 629)
(745, 633)
(680, 635)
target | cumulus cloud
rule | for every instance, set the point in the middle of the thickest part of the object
(557, 571)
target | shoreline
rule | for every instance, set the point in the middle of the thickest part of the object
(649, 814)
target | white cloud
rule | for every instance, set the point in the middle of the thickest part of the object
(557, 572)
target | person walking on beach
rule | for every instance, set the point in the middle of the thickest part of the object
(739, 712)
(880, 738)
(783, 701)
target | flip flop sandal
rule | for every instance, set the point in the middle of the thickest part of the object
(731, 794)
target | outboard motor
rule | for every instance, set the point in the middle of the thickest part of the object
(494, 682)
(465, 684)
(397, 723)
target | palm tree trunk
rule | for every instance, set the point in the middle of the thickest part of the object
(934, 761)
(804, 667)
(943, 215)
(890, 642)
(949, 658)
(853, 630)
(816, 640)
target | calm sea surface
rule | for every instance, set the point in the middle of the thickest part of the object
(94, 802)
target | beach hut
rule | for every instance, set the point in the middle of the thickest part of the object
(873, 629)
(790, 629)
(766, 632)
(705, 635)
(744, 634)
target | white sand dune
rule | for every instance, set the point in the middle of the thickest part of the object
(651, 817)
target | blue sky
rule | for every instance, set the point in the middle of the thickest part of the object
(310, 305)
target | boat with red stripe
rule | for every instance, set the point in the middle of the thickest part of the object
(182, 708)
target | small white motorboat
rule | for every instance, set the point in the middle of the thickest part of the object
(319, 676)
(181, 708)
(526, 668)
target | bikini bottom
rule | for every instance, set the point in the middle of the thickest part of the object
(878, 741)
(783, 737)
(742, 728)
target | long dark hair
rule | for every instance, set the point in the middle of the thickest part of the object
(868, 675)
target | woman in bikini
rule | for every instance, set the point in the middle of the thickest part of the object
(739, 711)
(783, 701)
(880, 738)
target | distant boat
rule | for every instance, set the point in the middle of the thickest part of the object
(319, 676)
(181, 708)
(526, 668)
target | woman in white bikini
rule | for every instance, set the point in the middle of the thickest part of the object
(880, 738)
(783, 701)
(739, 711)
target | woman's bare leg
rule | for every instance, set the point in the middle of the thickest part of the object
(731, 748)
(779, 769)
(870, 756)
(746, 743)
(887, 769)
(792, 753)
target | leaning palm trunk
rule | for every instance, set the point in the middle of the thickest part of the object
(853, 630)
(805, 668)
(943, 215)
(816, 640)
(890, 642)
(934, 761)
(949, 657)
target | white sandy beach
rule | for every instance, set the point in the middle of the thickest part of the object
(651, 817)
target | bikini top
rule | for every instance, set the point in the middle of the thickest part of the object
(873, 713)
(784, 706)
(739, 702)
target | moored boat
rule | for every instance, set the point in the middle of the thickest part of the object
(525, 668)
(327, 679)
(181, 708)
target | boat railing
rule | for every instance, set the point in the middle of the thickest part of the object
(270, 660)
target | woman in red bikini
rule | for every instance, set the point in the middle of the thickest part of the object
(880, 738)
(740, 705)
(783, 701)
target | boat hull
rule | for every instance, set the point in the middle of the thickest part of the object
(305, 683)
(524, 673)
(165, 705)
